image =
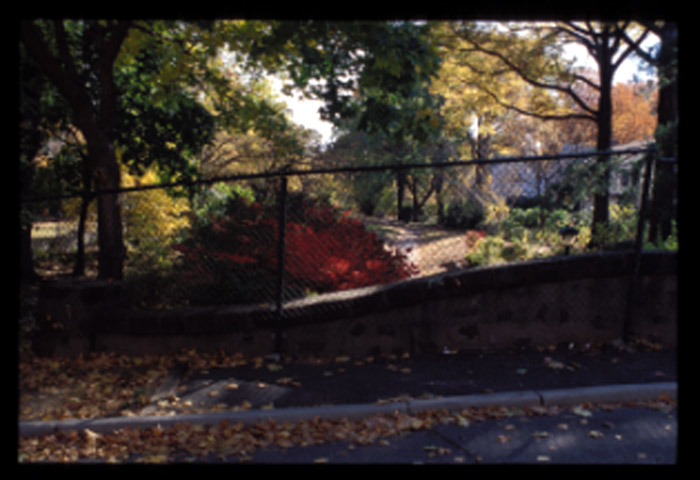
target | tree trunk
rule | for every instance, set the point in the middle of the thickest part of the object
(27, 272)
(79, 267)
(400, 187)
(661, 211)
(604, 139)
(437, 184)
(109, 232)
(95, 119)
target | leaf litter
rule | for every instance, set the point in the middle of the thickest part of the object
(105, 384)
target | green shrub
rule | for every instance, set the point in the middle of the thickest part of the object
(467, 214)
(514, 251)
(671, 243)
(488, 251)
(621, 228)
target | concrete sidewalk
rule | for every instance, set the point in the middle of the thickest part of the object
(562, 397)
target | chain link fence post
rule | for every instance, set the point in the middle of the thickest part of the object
(281, 230)
(627, 331)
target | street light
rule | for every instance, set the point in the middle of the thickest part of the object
(568, 235)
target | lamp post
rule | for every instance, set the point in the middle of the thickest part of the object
(568, 237)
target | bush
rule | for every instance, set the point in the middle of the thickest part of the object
(621, 228)
(467, 214)
(487, 251)
(233, 258)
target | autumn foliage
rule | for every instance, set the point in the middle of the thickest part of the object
(233, 258)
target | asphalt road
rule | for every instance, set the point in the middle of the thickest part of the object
(623, 436)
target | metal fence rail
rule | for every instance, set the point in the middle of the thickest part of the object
(268, 238)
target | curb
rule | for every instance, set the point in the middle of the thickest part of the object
(609, 393)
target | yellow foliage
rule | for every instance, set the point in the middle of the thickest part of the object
(497, 211)
(152, 218)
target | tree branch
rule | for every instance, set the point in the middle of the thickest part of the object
(109, 49)
(569, 116)
(635, 46)
(48, 63)
(567, 90)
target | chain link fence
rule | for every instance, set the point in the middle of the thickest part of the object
(269, 239)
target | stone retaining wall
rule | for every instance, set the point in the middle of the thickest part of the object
(580, 298)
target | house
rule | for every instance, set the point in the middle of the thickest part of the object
(527, 182)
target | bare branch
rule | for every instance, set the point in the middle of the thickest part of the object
(578, 34)
(634, 46)
(564, 89)
(568, 116)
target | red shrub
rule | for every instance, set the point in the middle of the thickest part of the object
(325, 252)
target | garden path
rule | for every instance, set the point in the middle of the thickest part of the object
(431, 248)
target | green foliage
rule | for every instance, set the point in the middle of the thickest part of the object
(466, 214)
(369, 190)
(219, 199)
(487, 251)
(389, 64)
(670, 243)
(168, 128)
(621, 227)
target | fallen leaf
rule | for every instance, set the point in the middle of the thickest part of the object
(665, 397)
(581, 412)
(554, 364)
(503, 438)
(595, 434)
(417, 424)
(543, 458)
(541, 434)
(321, 460)
(232, 386)
(434, 450)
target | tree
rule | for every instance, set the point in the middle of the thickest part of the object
(665, 61)
(634, 117)
(533, 52)
(41, 110)
(85, 62)
(92, 97)
(375, 72)
(131, 90)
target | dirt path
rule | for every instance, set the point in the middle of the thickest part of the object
(432, 248)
